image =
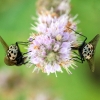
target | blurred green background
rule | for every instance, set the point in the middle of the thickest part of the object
(19, 83)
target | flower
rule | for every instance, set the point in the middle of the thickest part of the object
(63, 7)
(59, 6)
(51, 47)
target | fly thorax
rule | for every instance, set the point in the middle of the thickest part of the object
(88, 51)
(12, 52)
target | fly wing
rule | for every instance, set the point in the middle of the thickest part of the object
(9, 62)
(91, 64)
(94, 42)
(6, 47)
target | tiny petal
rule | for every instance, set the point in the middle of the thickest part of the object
(59, 37)
(56, 47)
(57, 67)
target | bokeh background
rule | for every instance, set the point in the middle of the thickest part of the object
(19, 83)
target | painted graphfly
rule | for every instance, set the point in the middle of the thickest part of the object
(86, 50)
(13, 54)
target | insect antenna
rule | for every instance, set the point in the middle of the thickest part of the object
(22, 43)
(4, 44)
(78, 33)
(79, 58)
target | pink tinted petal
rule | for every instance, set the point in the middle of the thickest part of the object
(66, 44)
(57, 67)
(63, 50)
(48, 68)
(64, 57)
(56, 47)
(65, 36)
(34, 60)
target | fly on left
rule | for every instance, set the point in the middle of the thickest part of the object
(14, 56)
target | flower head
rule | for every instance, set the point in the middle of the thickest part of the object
(59, 6)
(51, 47)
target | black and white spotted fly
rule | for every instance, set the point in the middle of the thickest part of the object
(86, 50)
(14, 56)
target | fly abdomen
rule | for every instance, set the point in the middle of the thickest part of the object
(88, 51)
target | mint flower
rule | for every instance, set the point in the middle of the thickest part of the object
(59, 6)
(63, 7)
(51, 46)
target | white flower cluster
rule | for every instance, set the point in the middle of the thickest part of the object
(50, 49)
